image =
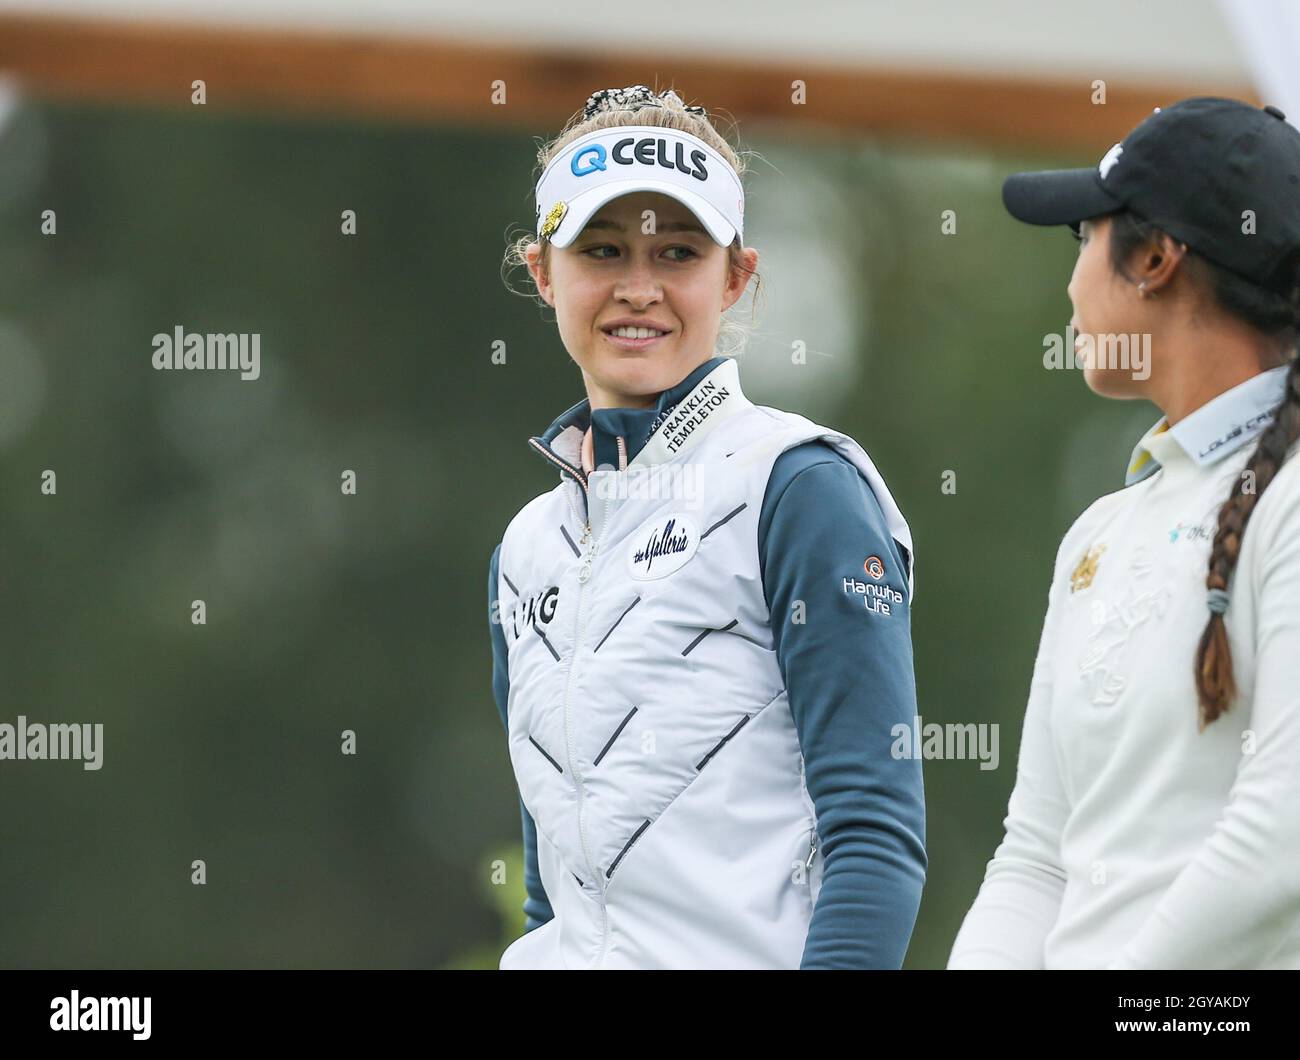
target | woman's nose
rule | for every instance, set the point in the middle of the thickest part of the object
(638, 285)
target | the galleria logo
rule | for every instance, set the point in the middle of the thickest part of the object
(662, 547)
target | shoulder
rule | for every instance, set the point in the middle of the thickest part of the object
(527, 517)
(836, 477)
(511, 551)
(803, 456)
(1083, 532)
(1275, 521)
(816, 494)
(495, 579)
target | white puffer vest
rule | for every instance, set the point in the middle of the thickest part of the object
(649, 727)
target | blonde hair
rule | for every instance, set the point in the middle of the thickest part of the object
(670, 114)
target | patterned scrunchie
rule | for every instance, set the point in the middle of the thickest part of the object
(633, 98)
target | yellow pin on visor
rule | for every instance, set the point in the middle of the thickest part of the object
(554, 218)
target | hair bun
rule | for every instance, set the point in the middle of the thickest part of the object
(634, 97)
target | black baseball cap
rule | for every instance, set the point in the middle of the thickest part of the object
(1192, 169)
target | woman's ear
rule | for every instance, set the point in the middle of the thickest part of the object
(738, 278)
(537, 270)
(1159, 263)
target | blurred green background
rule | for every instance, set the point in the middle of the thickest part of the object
(329, 612)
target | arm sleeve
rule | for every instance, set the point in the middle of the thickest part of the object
(849, 680)
(537, 907)
(1238, 899)
(1020, 897)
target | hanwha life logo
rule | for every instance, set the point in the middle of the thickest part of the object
(663, 546)
(874, 567)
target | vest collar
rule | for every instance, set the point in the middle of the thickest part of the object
(1218, 428)
(623, 436)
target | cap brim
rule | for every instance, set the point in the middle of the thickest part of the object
(1057, 196)
(581, 209)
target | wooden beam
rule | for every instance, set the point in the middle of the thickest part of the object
(431, 80)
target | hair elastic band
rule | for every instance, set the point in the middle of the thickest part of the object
(1217, 599)
(633, 97)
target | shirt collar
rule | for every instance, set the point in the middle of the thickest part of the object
(1218, 428)
(636, 427)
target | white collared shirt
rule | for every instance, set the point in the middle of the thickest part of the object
(1133, 839)
(1219, 427)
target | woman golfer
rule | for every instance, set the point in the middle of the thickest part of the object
(701, 634)
(1155, 819)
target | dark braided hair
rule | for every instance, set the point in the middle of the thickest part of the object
(1215, 686)
(1276, 315)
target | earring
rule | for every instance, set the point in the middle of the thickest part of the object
(1142, 289)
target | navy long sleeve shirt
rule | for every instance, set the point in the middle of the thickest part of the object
(849, 679)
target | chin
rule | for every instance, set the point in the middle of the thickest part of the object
(1111, 383)
(642, 374)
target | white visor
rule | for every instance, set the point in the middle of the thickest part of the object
(608, 163)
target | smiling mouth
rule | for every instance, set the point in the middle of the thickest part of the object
(628, 332)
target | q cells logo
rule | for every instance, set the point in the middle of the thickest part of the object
(662, 547)
(647, 151)
(874, 567)
(588, 160)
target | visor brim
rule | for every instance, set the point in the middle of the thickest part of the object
(1057, 197)
(583, 207)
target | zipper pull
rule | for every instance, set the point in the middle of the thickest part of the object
(808, 864)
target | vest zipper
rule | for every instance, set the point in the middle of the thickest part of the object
(589, 545)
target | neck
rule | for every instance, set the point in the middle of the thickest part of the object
(1209, 362)
(600, 396)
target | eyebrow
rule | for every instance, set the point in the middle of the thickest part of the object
(672, 226)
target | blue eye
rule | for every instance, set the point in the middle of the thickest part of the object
(689, 250)
(604, 246)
